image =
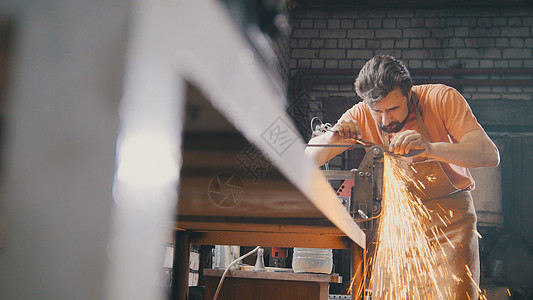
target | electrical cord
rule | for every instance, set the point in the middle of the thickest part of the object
(368, 219)
(228, 267)
(320, 128)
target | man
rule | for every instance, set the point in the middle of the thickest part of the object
(436, 118)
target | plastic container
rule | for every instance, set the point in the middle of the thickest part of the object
(312, 260)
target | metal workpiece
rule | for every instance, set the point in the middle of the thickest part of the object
(341, 174)
(377, 151)
(365, 198)
(367, 188)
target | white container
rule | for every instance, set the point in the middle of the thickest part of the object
(312, 260)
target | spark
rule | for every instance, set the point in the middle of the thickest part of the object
(407, 264)
(447, 239)
(470, 276)
(409, 260)
(431, 178)
(446, 217)
(441, 208)
(509, 292)
(423, 186)
(477, 233)
(444, 223)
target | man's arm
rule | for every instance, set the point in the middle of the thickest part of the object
(474, 150)
(344, 132)
(323, 154)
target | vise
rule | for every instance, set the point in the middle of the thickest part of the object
(361, 191)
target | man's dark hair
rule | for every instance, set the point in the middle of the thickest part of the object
(379, 76)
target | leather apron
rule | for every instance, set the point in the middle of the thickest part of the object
(452, 211)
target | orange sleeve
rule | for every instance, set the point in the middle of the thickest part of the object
(456, 114)
(350, 114)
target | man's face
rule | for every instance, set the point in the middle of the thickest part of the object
(391, 112)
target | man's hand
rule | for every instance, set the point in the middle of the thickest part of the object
(474, 150)
(348, 129)
(406, 141)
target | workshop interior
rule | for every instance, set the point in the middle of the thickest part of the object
(155, 149)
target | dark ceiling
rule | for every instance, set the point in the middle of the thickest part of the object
(325, 4)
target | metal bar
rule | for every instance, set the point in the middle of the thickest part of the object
(340, 145)
(338, 174)
(408, 154)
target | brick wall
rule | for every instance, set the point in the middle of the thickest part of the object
(281, 46)
(469, 38)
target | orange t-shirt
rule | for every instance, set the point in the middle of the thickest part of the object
(447, 117)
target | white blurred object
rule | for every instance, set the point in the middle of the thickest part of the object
(224, 255)
(168, 262)
(259, 262)
(312, 260)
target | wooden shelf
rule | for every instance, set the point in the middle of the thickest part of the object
(290, 276)
(245, 285)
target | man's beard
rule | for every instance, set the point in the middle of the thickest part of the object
(393, 126)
